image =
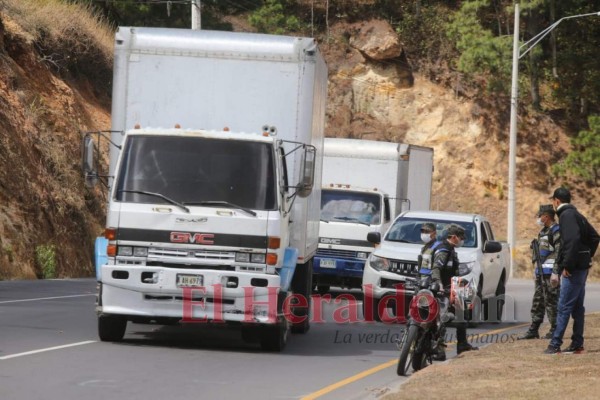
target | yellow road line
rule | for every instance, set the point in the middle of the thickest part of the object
(371, 371)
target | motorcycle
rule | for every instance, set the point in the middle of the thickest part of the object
(431, 310)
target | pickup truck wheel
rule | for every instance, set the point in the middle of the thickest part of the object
(499, 300)
(111, 328)
(274, 338)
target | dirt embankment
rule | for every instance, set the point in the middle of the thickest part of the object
(48, 219)
(513, 370)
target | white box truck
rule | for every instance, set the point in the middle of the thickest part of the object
(214, 181)
(366, 184)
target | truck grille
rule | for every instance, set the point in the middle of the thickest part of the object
(336, 253)
(174, 257)
(401, 267)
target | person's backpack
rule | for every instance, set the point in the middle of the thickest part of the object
(589, 235)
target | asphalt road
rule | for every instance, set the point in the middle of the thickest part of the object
(49, 349)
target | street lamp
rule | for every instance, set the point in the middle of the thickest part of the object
(518, 52)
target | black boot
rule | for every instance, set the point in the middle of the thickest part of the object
(529, 335)
(550, 333)
(462, 347)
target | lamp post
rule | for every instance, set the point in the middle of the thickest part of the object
(196, 15)
(518, 52)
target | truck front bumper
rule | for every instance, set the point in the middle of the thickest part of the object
(152, 292)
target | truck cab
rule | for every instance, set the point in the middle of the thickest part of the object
(347, 215)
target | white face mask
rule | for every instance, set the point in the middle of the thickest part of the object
(425, 237)
(539, 222)
(460, 243)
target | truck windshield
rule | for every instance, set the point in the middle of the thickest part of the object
(408, 230)
(192, 170)
(350, 207)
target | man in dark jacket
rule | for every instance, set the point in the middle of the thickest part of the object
(579, 241)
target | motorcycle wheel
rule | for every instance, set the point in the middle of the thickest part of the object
(408, 350)
(419, 361)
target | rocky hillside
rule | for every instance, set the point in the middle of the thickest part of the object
(45, 209)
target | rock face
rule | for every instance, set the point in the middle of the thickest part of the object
(377, 40)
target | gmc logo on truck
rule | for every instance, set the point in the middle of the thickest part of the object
(198, 238)
(330, 241)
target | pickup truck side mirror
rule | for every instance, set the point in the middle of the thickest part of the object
(491, 246)
(374, 237)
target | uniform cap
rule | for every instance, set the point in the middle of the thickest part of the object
(428, 227)
(546, 209)
(455, 229)
(562, 194)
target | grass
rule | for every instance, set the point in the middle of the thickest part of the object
(514, 370)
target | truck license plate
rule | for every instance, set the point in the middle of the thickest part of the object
(189, 280)
(327, 263)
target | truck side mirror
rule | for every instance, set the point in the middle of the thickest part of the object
(491, 246)
(88, 162)
(307, 179)
(374, 237)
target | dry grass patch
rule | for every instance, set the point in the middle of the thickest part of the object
(517, 370)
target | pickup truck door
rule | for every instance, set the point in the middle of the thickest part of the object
(491, 263)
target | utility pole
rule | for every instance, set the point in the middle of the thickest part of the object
(518, 52)
(196, 15)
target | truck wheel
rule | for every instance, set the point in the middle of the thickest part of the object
(322, 289)
(274, 337)
(302, 285)
(111, 328)
(374, 310)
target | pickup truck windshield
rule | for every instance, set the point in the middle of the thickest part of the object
(408, 230)
(350, 207)
(192, 170)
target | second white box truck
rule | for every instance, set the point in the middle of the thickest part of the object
(366, 184)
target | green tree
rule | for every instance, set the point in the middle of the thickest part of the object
(272, 18)
(584, 160)
(481, 51)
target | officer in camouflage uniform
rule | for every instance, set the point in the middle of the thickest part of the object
(441, 262)
(545, 297)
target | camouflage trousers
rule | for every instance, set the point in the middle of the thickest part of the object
(545, 301)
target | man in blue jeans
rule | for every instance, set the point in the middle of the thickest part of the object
(579, 243)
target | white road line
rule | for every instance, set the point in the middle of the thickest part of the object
(46, 298)
(28, 353)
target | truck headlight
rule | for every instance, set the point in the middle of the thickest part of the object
(256, 258)
(379, 263)
(128, 251)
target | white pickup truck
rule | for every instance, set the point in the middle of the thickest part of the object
(396, 257)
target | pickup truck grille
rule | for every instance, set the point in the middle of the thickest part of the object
(406, 268)
(336, 253)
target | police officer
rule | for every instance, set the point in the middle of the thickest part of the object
(442, 261)
(429, 237)
(545, 296)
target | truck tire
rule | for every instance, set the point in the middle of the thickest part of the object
(111, 328)
(302, 285)
(274, 337)
(497, 307)
(374, 310)
(407, 351)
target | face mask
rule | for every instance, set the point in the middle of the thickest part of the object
(539, 222)
(425, 237)
(460, 243)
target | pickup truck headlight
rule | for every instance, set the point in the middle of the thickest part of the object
(465, 268)
(379, 263)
